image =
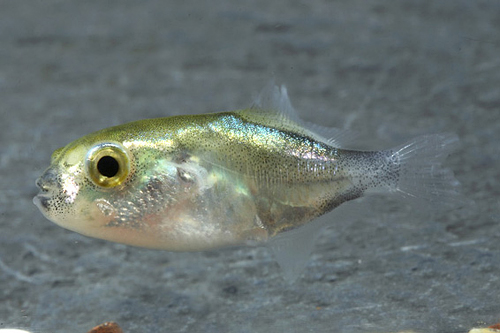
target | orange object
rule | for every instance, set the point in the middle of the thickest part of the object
(109, 327)
(495, 326)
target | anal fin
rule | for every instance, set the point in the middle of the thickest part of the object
(292, 249)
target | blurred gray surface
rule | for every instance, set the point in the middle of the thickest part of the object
(391, 70)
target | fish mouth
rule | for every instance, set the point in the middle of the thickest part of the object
(41, 200)
(44, 187)
(47, 185)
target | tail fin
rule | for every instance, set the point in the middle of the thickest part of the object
(421, 174)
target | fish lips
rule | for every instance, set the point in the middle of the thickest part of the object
(41, 201)
(48, 186)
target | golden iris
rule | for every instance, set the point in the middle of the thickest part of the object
(107, 164)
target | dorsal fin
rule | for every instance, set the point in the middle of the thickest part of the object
(274, 99)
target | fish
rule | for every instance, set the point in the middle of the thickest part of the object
(207, 181)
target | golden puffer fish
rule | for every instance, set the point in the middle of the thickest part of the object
(198, 182)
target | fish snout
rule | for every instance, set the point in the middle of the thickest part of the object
(48, 180)
(47, 183)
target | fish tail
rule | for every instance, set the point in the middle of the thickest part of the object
(421, 174)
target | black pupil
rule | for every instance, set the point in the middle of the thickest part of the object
(108, 166)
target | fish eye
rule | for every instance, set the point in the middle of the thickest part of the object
(107, 164)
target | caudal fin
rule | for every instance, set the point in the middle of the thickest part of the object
(421, 173)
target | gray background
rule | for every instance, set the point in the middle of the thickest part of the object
(390, 69)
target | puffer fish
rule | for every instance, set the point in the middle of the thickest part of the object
(201, 182)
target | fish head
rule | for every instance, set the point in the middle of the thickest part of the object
(121, 190)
